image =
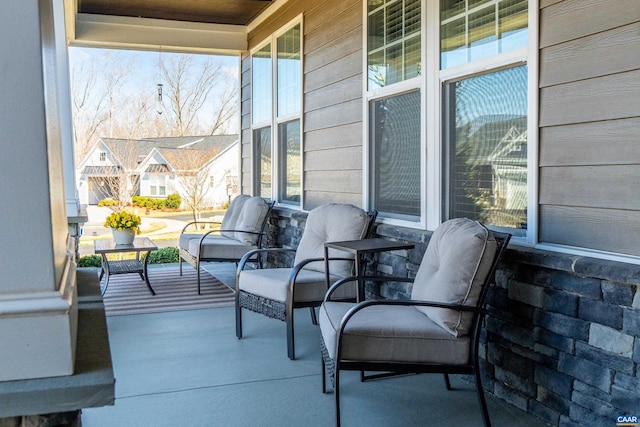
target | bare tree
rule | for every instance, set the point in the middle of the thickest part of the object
(192, 175)
(122, 181)
(228, 107)
(96, 87)
(87, 104)
(189, 89)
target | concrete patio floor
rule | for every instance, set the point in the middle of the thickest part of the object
(187, 368)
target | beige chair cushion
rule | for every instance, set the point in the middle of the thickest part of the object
(231, 215)
(219, 247)
(273, 283)
(453, 269)
(244, 213)
(390, 334)
(254, 210)
(185, 238)
(331, 223)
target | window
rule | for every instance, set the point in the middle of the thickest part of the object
(485, 111)
(394, 98)
(262, 156)
(103, 156)
(289, 72)
(486, 142)
(393, 41)
(276, 119)
(261, 116)
(157, 185)
(290, 161)
(261, 85)
(448, 94)
(476, 29)
(395, 134)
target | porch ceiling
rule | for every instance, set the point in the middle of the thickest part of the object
(236, 12)
(208, 26)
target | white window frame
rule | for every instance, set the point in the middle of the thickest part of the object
(395, 89)
(431, 84)
(275, 121)
(155, 179)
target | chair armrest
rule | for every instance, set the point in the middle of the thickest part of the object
(298, 267)
(227, 231)
(197, 222)
(254, 252)
(370, 303)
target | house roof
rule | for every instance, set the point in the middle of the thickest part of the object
(100, 170)
(188, 159)
(157, 168)
(131, 152)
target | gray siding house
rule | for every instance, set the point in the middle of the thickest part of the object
(521, 114)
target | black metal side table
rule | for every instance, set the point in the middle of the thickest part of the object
(360, 248)
(140, 244)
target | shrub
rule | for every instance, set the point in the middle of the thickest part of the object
(164, 256)
(138, 201)
(173, 201)
(90, 261)
(108, 202)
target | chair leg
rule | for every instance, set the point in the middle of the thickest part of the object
(314, 318)
(336, 392)
(198, 275)
(238, 318)
(180, 264)
(291, 351)
(483, 401)
(324, 374)
(447, 382)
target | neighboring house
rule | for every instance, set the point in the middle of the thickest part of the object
(154, 166)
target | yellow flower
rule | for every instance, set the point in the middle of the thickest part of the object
(123, 221)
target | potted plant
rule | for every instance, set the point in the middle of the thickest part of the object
(124, 226)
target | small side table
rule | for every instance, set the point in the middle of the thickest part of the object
(140, 244)
(360, 248)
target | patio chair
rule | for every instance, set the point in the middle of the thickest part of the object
(276, 292)
(437, 331)
(242, 230)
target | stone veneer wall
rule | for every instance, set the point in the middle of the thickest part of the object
(563, 338)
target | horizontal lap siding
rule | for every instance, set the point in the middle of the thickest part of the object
(245, 125)
(332, 101)
(333, 104)
(589, 191)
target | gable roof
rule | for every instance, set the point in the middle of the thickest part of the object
(188, 159)
(130, 152)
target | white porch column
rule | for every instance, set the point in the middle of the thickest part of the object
(38, 310)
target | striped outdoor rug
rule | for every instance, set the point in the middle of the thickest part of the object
(128, 294)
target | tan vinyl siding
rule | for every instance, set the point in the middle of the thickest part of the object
(245, 125)
(332, 97)
(589, 191)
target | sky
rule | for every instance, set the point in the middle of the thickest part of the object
(145, 70)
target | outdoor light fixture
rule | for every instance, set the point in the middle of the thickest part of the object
(159, 85)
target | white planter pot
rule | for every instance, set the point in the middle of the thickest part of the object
(123, 237)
